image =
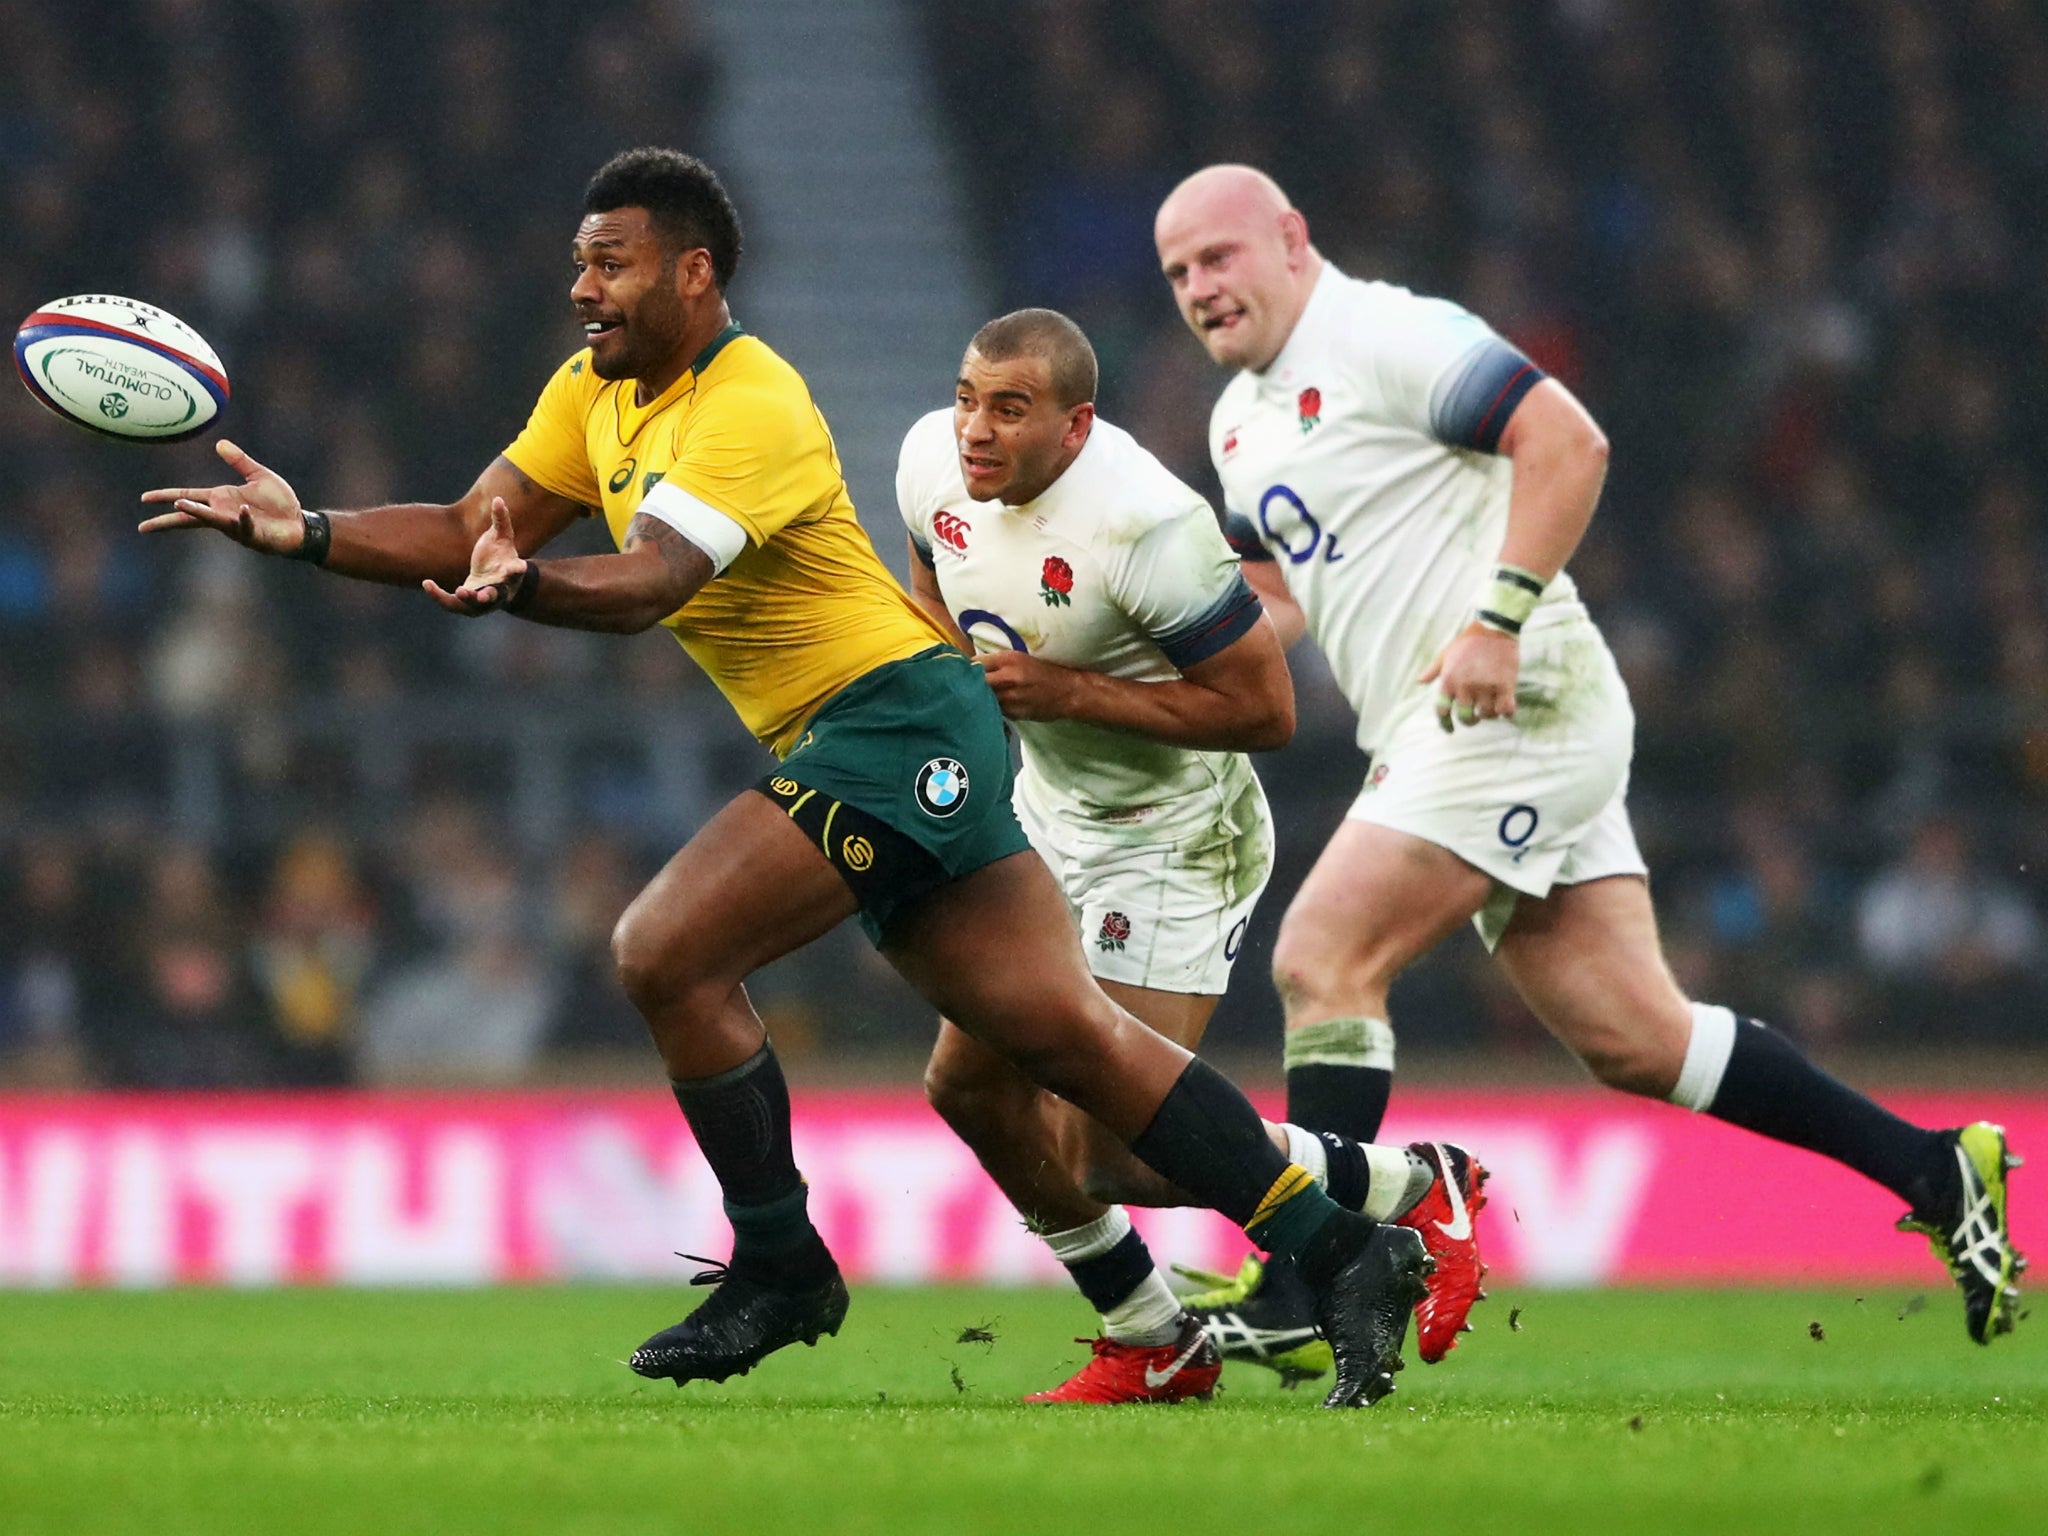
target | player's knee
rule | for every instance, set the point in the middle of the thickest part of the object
(655, 971)
(961, 1098)
(1312, 976)
(1632, 1063)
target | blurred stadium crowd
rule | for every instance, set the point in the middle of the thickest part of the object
(265, 827)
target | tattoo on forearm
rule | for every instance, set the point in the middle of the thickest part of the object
(685, 563)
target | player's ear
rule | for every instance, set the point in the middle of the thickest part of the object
(694, 273)
(1078, 421)
(1294, 234)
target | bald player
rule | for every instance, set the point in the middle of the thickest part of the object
(1408, 488)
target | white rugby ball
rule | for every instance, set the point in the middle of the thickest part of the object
(121, 367)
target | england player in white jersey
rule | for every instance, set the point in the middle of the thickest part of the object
(1416, 486)
(1114, 624)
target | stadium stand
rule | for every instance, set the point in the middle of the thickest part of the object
(241, 805)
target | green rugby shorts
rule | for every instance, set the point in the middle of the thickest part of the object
(903, 780)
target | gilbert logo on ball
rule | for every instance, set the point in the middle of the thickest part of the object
(121, 367)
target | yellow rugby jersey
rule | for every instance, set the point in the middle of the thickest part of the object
(807, 607)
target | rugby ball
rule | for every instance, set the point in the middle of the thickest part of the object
(121, 367)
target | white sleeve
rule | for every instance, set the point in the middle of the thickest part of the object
(915, 482)
(1182, 585)
(1444, 372)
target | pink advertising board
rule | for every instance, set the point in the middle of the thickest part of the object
(1589, 1188)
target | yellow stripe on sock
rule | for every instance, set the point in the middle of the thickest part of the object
(1296, 1180)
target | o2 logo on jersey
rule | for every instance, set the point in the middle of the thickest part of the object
(1293, 529)
(1517, 826)
(941, 787)
(950, 529)
(968, 618)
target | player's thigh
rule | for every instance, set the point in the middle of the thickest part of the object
(978, 1090)
(1180, 1016)
(1085, 1143)
(749, 888)
(995, 951)
(1587, 960)
(1376, 900)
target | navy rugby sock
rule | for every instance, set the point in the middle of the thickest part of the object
(741, 1121)
(1351, 1101)
(1770, 1088)
(1340, 1073)
(1207, 1138)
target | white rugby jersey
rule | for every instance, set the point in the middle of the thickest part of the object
(1362, 462)
(1117, 568)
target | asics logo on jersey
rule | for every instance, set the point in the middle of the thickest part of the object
(1157, 1379)
(1459, 1227)
(621, 477)
(951, 531)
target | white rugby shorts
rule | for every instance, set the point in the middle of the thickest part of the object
(1536, 801)
(1168, 913)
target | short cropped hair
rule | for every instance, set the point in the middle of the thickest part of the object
(684, 199)
(1051, 335)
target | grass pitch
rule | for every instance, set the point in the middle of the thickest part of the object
(508, 1411)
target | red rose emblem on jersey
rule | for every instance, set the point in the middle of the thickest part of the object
(1310, 404)
(1115, 929)
(1055, 581)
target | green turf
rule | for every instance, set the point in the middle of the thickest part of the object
(509, 1412)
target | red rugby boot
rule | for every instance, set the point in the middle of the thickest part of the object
(1143, 1373)
(1446, 1218)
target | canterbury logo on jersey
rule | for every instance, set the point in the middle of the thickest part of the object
(951, 530)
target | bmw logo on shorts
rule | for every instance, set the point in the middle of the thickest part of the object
(941, 786)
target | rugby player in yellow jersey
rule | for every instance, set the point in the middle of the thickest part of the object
(719, 481)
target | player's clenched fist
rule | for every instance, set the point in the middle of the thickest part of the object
(1027, 688)
(262, 512)
(1475, 676)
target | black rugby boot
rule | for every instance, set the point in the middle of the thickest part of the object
(741, 1323)
(1363, 1310)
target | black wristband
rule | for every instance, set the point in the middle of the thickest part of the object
(319, 536)
(1499, 621)
(522, 595)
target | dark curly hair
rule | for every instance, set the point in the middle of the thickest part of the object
(684, 200)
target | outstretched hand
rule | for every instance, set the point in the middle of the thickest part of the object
(496, 570)
(1475, 676)
(262, 512)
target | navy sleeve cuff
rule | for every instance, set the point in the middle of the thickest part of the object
(1226, 621)
(924, 552)
(1243, 537)
(1472, 409)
